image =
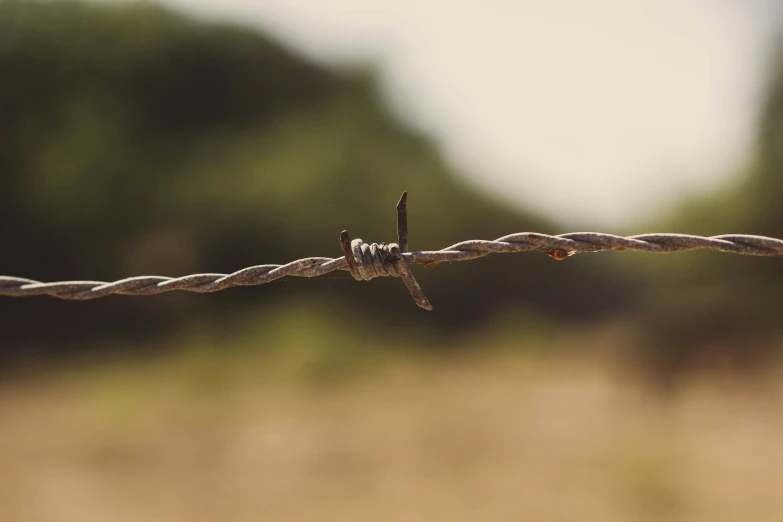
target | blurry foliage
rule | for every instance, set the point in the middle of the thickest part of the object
(715, 309)
(137, 141)
(134, 141)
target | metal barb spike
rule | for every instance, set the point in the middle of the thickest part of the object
(395, 249)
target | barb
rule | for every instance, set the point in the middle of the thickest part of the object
(369, 261)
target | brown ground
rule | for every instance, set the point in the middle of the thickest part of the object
(492, 440)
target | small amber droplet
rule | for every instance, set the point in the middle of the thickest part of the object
(558, 254)
(620, 249)
(430, 265)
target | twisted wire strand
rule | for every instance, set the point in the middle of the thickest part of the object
(571, 243)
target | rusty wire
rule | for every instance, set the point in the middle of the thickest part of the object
(367, 261)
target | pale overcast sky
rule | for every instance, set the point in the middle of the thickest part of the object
(601, 111)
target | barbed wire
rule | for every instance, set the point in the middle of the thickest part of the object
(367, 261)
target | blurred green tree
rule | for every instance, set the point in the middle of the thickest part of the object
(135, 140)
(710, 308)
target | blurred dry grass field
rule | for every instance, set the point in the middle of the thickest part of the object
(202, 437)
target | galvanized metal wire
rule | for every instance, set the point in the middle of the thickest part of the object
(369, 261)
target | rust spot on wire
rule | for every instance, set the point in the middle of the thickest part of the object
(559, 254)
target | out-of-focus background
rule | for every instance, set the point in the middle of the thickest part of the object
(197, 136)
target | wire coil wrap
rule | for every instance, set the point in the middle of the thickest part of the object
(375, 260)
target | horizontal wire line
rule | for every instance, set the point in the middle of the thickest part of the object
(572, 243)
